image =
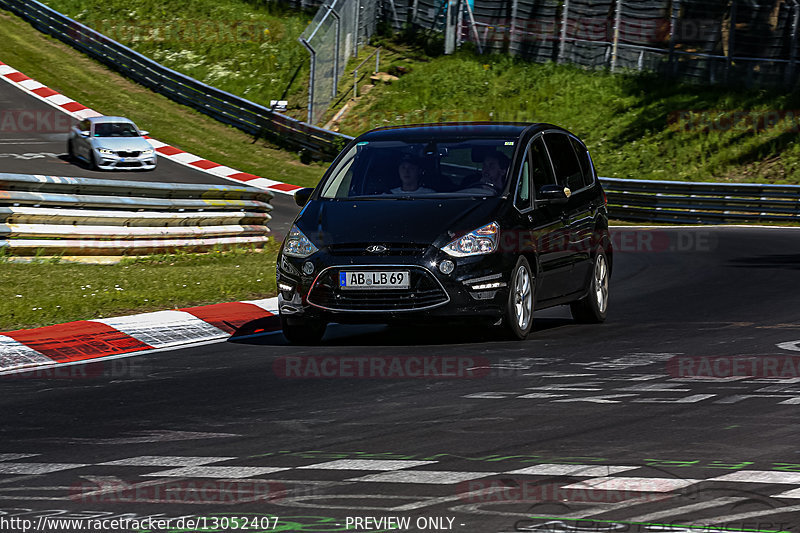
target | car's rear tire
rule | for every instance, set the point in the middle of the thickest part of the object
(70, 151)
(518, 317)
(303, 331)
(593, 308)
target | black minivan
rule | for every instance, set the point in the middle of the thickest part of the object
(462, 220)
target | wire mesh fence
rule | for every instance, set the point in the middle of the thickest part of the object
(333, 36)
(716, 41)
(706, 41)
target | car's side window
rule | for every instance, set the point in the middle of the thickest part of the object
(541, 171)
(84, 125)
(583, 158)
(522, 201)
(565, 162)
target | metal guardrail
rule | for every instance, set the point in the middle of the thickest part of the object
(85, 216)
(700, 202)
(247, 116)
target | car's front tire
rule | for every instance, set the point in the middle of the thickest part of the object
(593, 308)
(70, 150)
(303, 331)
(93, 161)
(518, 318)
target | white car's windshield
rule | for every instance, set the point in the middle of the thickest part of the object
(473, 167)
(115, 129)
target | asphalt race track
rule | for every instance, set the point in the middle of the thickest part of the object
(574, 406)
(590, 427)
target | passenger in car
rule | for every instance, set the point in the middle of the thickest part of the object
(410, 172)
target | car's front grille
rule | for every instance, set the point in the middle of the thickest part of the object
(402, 249)
(424, 292)
(129, 164)
(128, 154)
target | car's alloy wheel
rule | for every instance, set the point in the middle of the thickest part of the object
(519, 309)
(594, 307)
(303, 331)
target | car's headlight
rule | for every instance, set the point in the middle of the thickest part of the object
(297, 244)
(147, 152)
(105, 151)
(480, 241)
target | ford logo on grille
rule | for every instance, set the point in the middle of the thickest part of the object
(376, 248)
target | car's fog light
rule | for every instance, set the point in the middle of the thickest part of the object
(285, 287)
(446, 266)
(308, 268)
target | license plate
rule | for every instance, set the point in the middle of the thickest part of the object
(365, 279)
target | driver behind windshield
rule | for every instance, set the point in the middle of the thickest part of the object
(410, 173)
(493, 173)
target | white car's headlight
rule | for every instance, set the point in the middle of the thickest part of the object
(147, 152)
(105, 151)
(480, 241)
(297, 244)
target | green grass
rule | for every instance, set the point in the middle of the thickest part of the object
(73, 74)
(47, 292)
(245, 47)
(624, 118)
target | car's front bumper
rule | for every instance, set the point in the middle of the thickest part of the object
(477, 287)
(117, 162)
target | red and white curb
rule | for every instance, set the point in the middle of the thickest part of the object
(85, 340)
(79, 112)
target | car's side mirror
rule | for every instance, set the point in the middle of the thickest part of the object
(553, 194)
(84, 134)
(144, 132)
(301, 196)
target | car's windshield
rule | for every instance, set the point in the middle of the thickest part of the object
(115, 129)
(430, 168)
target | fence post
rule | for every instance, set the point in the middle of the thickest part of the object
(617, 23)
(563, 38)
(337, 51)
(356, 32)
(793, 45)
(450, 26)
(313, 54)
(460, 23)
(673, 23)
(731, 40)
(512, 27)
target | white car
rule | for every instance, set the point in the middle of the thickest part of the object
(111, 143)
